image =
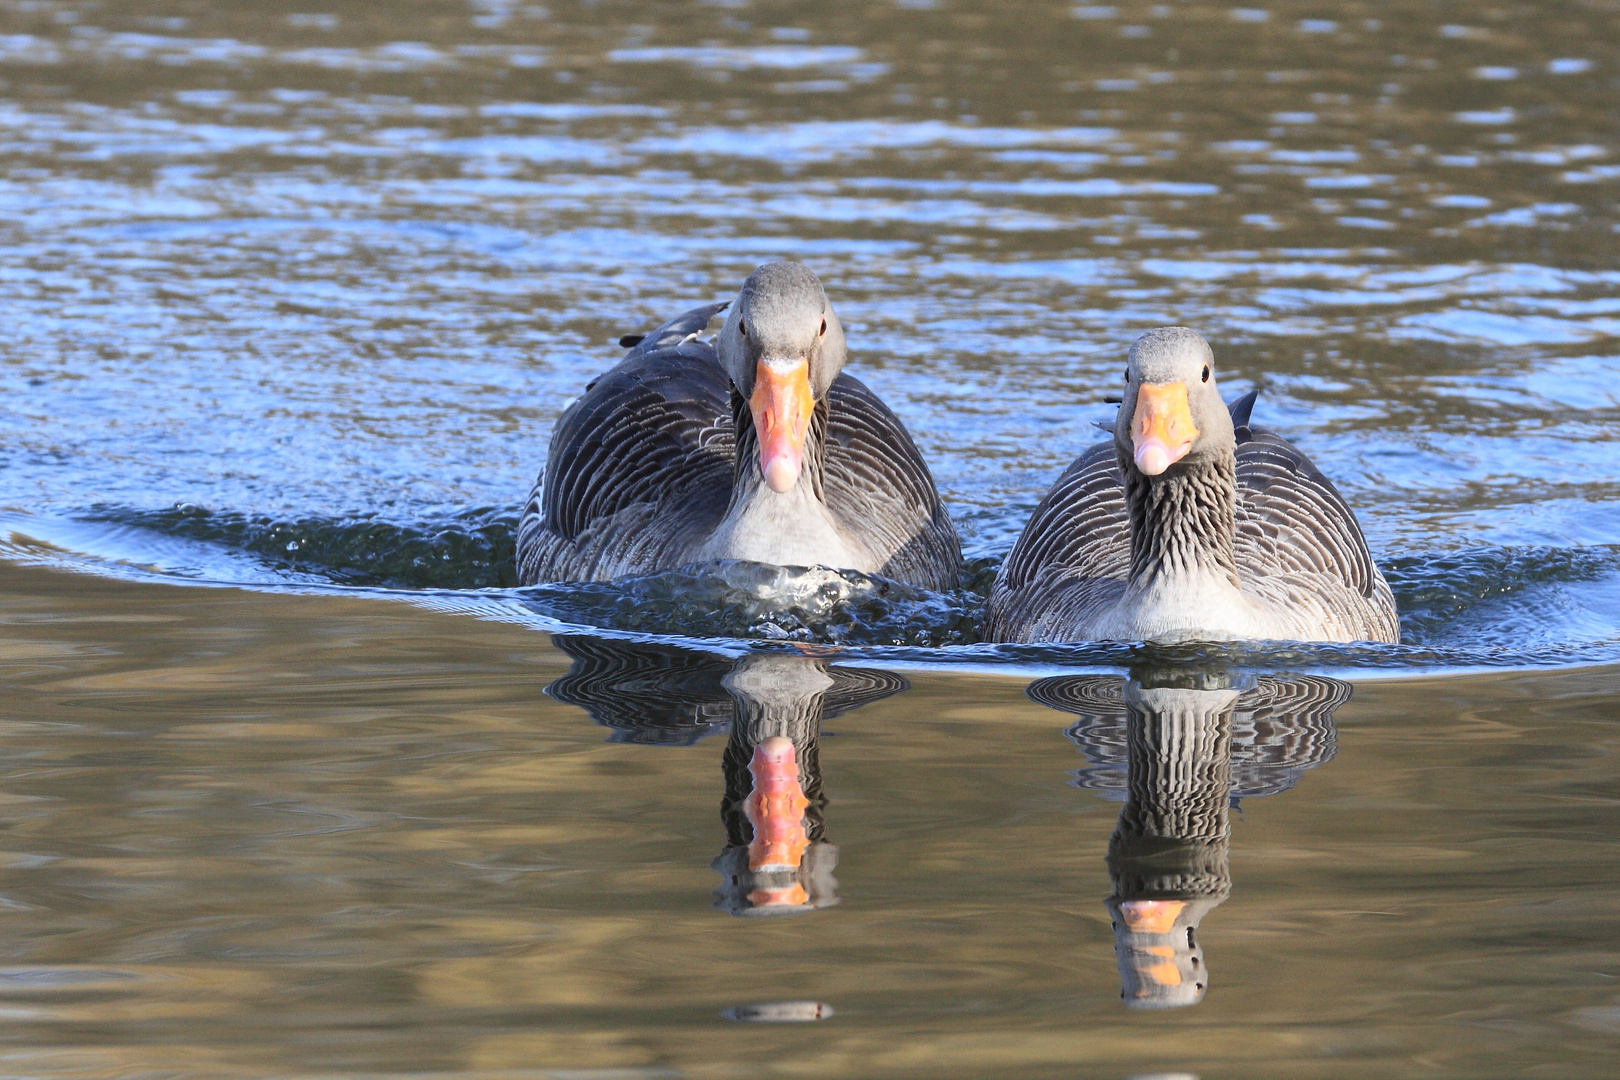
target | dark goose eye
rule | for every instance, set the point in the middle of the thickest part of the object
(1127, 374)
(823, 327)
(1206, 373)
(742, 328)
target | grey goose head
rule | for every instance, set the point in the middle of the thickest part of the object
(782, 347)
(1171, 411)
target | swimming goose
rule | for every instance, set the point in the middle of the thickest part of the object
(1190, 524)
(756, 446)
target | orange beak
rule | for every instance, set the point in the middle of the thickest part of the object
(1162, 431)
(775, 807)
(792, 896)
(781, 405)
(1151, 916)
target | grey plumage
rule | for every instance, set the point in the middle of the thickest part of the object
(657, 465)
(1240, 538)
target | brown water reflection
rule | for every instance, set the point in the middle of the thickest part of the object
(307, 835)
(1194, 743)
(777, 860)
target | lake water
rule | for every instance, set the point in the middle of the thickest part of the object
(298, 784)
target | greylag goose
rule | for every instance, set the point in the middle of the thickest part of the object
(1189, 524)
(755, 447)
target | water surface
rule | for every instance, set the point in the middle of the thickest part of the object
(311, 836)
(311, 288)
(293, 297)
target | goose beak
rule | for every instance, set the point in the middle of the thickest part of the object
(1162, 431)
(792, 896)
(781, 405)
(775, 808)
(1151, 916)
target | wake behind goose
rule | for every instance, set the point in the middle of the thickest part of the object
(754, 447)
(1190, 524)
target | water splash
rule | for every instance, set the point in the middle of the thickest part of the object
(751, 600)
(1522, 606)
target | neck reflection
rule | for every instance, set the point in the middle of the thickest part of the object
(777, 860)
(1182, 748)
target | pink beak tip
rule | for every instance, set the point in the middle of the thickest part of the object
(1152, 458)
(777, 748)
(781, 473)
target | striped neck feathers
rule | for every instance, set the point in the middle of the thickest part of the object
(1182, 520)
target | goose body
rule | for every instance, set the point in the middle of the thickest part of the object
(1190, 524)
(755, 446)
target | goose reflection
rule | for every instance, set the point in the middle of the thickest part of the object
(1181, 749)
(777, 860)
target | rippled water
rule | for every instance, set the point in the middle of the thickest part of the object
(250, 834)
(293, 296)
(311, 288)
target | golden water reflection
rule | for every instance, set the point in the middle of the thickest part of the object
(777, 860)
(245, 835)
(1194, 744)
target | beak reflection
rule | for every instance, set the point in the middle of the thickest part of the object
(1183, 747)
(777, 859)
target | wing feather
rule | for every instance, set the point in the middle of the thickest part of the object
(1295, 536)
(1072, 558)
(638, 467)
(878, 488)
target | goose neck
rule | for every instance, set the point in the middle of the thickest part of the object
(1182, 521)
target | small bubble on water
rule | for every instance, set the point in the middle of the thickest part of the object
(779, 1012)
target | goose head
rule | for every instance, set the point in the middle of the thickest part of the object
(782, 346)
(1171, 411)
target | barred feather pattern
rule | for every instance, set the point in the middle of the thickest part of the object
(645, 693)
(1174, 829)
(1182, 522)
(1265, 519)
(1072, 558)
(1280, 727)
(643, 467)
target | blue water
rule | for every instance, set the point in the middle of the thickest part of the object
(295, 303)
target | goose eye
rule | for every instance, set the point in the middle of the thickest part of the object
(742, 328)
(1127, 374)
(823, 327)
(1206, 373)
